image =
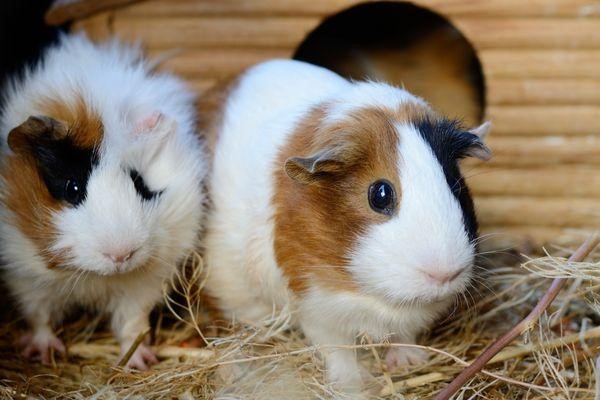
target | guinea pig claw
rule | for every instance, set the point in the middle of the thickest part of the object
(41, 347)
(397, 357)
(142, 359)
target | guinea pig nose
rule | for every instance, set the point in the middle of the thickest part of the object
(120, 257)
(443, 277)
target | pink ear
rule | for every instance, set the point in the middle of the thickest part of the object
(148, 123)
(156, 125)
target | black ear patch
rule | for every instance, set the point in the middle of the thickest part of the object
(449, 142)
(64, 167)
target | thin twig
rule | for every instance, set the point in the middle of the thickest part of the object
(138, 340)
(518, 329)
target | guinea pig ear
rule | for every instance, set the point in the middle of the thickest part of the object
(21, 138)
(477, 148)
(155, 124)
(310, 169)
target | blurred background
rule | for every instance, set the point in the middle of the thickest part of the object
(23, 33)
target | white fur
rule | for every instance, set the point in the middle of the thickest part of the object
(395, 298)
(115, 81)
(260, 113)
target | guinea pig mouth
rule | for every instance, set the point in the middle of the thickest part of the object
(442, 292)
(448, 290)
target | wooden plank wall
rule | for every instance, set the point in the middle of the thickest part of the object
(541, 60)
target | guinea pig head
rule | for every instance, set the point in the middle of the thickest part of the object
(94, 193)
(373, 201)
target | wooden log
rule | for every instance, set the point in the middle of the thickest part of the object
(543, 91)
(534, 33)
(208, 64)
(281, 32)
(63, 11)
(528, 239)
(96, 27)
(497, 63)
(499, 91)
(527, 152)
(508, 91)
(565, 181)
(286, 31)
(539, 211)
(489, 8)
(529, 63)
(545, 120)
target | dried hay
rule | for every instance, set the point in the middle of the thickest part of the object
(554, 360)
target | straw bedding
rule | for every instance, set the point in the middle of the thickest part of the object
(554, 360)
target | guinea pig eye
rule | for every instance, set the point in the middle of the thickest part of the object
(382, 197)
(73, 192)
(140, 186)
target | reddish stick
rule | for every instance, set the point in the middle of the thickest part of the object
(477, 365)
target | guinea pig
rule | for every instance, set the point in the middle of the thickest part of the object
(101, 189)
(341, 202)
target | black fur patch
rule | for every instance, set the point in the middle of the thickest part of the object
(61, 161)
(449, 143)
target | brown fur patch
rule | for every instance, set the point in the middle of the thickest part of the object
(24, 192)
(84, 125)
(318, 224)
(211, 107)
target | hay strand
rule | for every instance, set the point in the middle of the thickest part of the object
(274, 361)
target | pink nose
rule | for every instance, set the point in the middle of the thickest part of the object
(120, 257)
(443, 277)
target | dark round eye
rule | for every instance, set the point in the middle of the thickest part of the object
(382, 197)
(73, 192)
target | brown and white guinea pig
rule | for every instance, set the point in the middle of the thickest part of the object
(341, 202)
(101, 188)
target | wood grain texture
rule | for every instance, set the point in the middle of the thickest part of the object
(568, 181)
(545, 120)
(488, 8)
(536, 151)
(539, 211)
(216, 32)
(535, 63)
(63, 11)
(288, 31)
(527, 239)
(543, 91)
(531, 33)
(208, 64)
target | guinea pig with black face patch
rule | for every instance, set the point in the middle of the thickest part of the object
(341, 202)
(101, 189)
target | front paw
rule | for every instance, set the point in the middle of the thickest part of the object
(141, 359)
(397, 357)
(344, 376)
(41, 345)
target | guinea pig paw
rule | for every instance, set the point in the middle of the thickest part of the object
(397, 357)
(142, 359)
(41, 346)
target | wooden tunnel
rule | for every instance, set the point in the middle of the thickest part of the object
(532, 67)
